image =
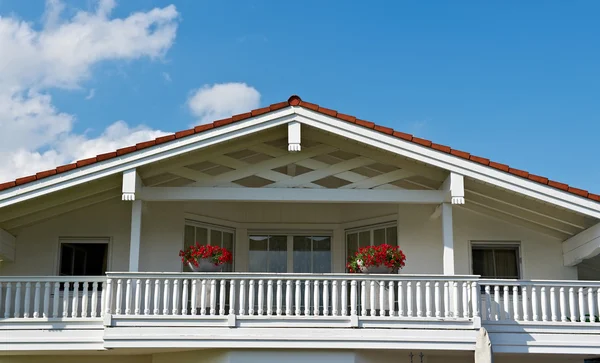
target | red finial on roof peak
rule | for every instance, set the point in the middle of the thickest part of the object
(294, 100)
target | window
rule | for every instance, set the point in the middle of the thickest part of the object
(87, 257)
(496, 260)
(290, 253)
(370, 236)
(206, 234)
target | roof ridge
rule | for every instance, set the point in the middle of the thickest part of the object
(295, 100)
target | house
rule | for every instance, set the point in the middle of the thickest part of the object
(90, 268)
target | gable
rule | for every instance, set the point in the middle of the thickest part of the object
(317, 118)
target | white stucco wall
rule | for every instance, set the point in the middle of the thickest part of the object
(163, 227)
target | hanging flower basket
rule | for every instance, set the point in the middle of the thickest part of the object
(205, 258)
(381, 259)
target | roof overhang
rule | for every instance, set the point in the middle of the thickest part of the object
(333, 125)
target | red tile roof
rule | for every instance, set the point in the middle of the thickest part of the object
(297, 101)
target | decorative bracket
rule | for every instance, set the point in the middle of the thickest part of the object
(455, 186)
(294, 136)
(132, 183)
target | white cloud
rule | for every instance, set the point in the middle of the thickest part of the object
(166, 76)
(35, 134)
(222, 100)
(91, 94)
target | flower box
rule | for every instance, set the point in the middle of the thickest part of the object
(381, 259)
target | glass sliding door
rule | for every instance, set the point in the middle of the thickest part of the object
(289, 253)
(311, 254)
(268, 253)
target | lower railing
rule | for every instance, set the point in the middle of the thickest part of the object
(540, 301)
(256, 294)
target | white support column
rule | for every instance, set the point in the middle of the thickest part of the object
(132, 185)
(294, 136)
(447, 238)
(136, 234)
(454, 185)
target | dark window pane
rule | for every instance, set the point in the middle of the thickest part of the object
(506, 264)
(496, 262)
(83, 259)
(392, 236)
(302, 254)
(257, 255)
(216, 238)
(277, 254)
(378, 236)
(321, 254)
(66, 259)
(189, 237)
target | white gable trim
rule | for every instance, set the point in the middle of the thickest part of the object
(449, 162)
(314, 119)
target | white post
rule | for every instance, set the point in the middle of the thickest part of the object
(448, 239)
(136, 232)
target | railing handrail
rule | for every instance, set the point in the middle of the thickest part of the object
(549, 283)
(288, 276)
(52, 279)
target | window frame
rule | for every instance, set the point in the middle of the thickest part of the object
(371, 228)
(495, 245)
(211, 227)
(83, 240)
(290, 234)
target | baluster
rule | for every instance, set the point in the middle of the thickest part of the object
(270, 297)
(261, 296)
(203, 298)
(465, 300)
(119, 293)
(525, 303)
(156, 297)
(381, 298)
(446, 299)
(36, 300)
(194, 297)
(128, 297)
(54, 299)
(175, 310)
(544, 302)
(251, 297)
(8, 300)
(563, 305)
(581, 305)
(242, 309)
(436, 297)
(591, 308)
(419, 299)
(572, 305)
(325, 297)
(213, 297)
(553, 304)
(344, 298)
(102, 287)
(497, 312)
(391, 299)
(455, 298)
(306, 297)
(506, 303)
(65, 312)
(409, 299)
(475, 298)
(488, 303)
(27, 299)
(298, 297)
(353, 309)
(279, 295)
(372, 299)
(334, 298)
(428, 299)
(18, 300)
(0, 293)
(165, 296)
(288, 298)
(184, 297)
(363, 298)
(534, 303)
(46, 311)
(147, 297)
(316, 298)
(232, 297)
(84, 300)
(515, 301)
(222, 291)
(400, 299)
(75, 299)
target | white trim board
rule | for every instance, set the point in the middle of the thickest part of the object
(328, 124)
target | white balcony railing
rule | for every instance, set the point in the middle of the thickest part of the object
(540, 301)
(51, 297)
(286, 295)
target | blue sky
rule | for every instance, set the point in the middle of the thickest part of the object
(517, 82)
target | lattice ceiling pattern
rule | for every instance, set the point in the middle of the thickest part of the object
(270, 165)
